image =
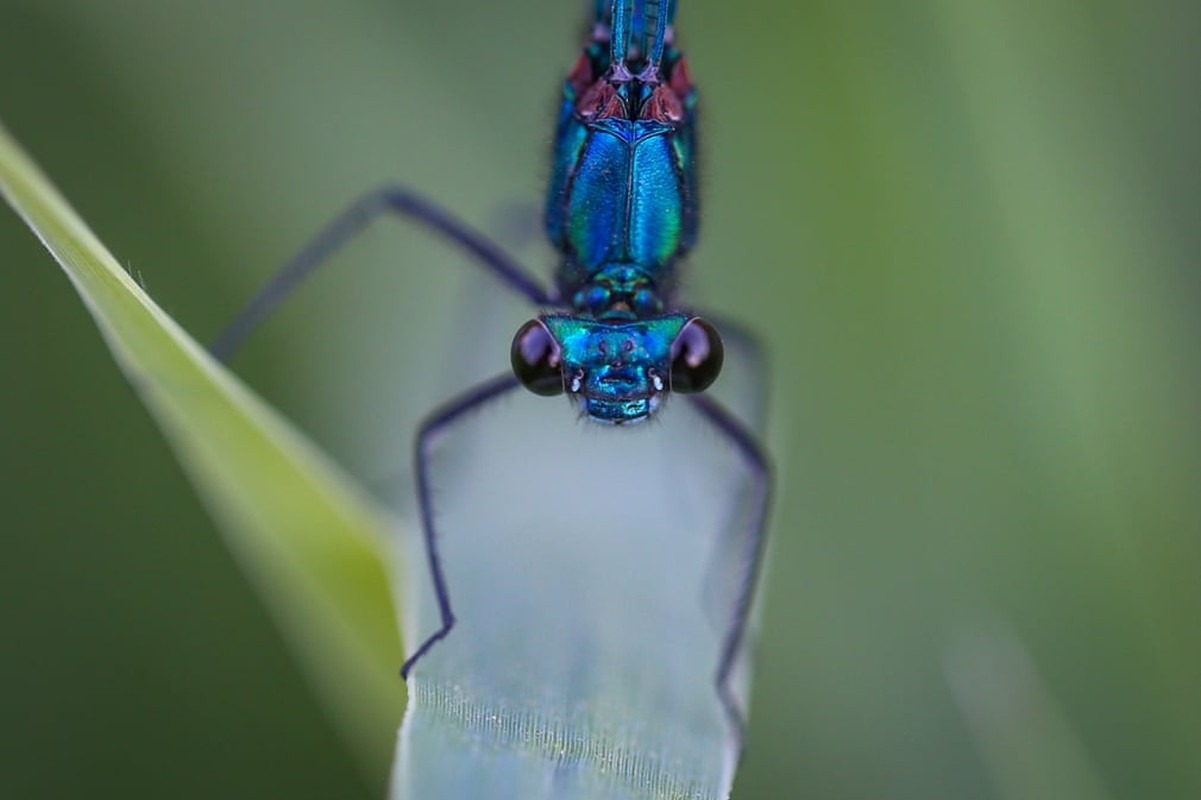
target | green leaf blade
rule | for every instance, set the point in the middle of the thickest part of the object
(312, 544)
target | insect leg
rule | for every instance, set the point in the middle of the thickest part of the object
(435, 424)
(752, 554)
(346, 226)
(745, 347)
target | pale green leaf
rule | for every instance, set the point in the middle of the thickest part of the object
(311, 543)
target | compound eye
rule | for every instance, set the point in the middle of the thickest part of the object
(536, 358)
(696, 357)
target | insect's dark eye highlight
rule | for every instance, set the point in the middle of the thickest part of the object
(537, 359)
(696, 357)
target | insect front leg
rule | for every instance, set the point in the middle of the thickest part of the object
(431, 429)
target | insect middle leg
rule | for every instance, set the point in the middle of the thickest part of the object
(344, 227)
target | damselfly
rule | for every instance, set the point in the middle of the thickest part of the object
(622, 211)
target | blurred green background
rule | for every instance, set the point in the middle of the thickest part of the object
(967, 230)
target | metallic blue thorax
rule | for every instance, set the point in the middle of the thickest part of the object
(621, 204)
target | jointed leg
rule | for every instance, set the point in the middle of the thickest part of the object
(435, 424)
(752, 554)
(349, 223)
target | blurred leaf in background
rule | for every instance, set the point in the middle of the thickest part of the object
(967, 230)
(317, 550)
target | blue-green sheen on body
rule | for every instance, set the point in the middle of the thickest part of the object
(622, 191)
(621, 207)
(624, 203)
